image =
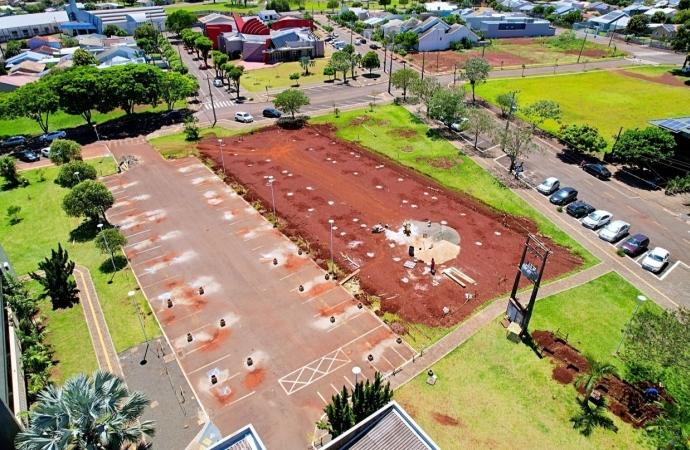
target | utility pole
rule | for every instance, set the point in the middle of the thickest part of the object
(390, 74)
(423, 63)
(455, 70)
(384, 57)
(437, 53)
(210, 92)
(583, 45)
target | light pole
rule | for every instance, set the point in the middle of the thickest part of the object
(273, 200)
(100, 227)
(98, 138)
(640, 299)
(76, 174)
(356, 370)
(143, 330)
(583, 45)
(330, 221)
(222, 158)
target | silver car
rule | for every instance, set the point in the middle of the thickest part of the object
(549, 186)
(243, 117)
(597, 219)
(614, 231)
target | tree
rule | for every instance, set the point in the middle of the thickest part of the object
(682, 16)
(541, 111)
(8, 170)
(480, 122)
(147, 45)
(340, 62)
(658, 17)
(597, 370)
(179, 20)
(36, 101)
(176, 87)
(571, 17)
(234, 74)
(64, 151)
(78, 90)
(57, 281)
(332, 4)
(349, 16)
(550, 10)
(145, 31)
(219, 60)
(97, 412)
(191, 129)
(12, 49)
(516, 143)
(682, 41)
(204, 45)
(637, 24)
(114, 30)
(115, 239)
(349, 49)
(403, 78)
(591, 416)
(683, 5)
(505, 101)
(290, 101)
(129, 85)
(476, 71)
(13, 213)
(447, 105)
(295, 77)
(278, 5)
(583, 138)
(371, 60)
(640, 147)
(384, 3)
(678, 185)
(66, 177)
(306, 62)
(370, 397)
(355, 59)
(88, 199)
(329, 72)
(68, 41)
(83, 58)
(407, 39)
(339, 413)
(538, 10)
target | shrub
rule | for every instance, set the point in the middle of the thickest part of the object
(403, 53)
(620, 252)
(559, 209)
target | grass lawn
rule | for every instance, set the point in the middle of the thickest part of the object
(279, 76)
(42, 227)
(220, 7)
(175, 146)
(606, 99)
(493, 393)
(468, 177)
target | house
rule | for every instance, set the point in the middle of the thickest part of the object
(440, 9)
(127, 18)
(118, 55)
(25, 26)
(635, 9)
(562, 10)
(27, 68)
(145, 3)
(615, 20)
(40, 41)
(215, 19)
(278, 45)
(361, 13)
(268, 15)
(508, 25)
(600, 7)
(668, 12)
(516, 5)
(46, 50)
(25, 56)
(109, 6)
(435, 34)
(663, 32)
(9, 83)
(393, 26)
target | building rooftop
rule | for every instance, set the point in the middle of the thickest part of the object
(674, 125)
(28, 20)
(17, 80)
(244, 439)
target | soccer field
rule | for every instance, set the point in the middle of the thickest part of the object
(606, 99)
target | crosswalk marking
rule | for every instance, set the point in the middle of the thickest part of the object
(222, 104)
(650, 53)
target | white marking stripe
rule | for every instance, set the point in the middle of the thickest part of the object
(313, 371)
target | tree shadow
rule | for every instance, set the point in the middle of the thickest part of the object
(106, 266)
(372, 75)
(85, 232)
(15, 220)
(434, 135)
(65, 303)
(414, 119)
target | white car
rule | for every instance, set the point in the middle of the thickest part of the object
(243, 117)
(597, 219)
(614, 231)
(50, 137)
(45, 152)
(549, 186)
(218, 83)
(656, 260)
(461, 125)
(358, 42)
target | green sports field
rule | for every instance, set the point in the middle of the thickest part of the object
(606, 99)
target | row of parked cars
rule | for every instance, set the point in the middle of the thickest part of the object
(597, 219)
(28, 155)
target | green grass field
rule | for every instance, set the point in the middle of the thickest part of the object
(493, 393)
(606, 99)
(219, 7)
(42, 227)
(175, 146)
(279, 76)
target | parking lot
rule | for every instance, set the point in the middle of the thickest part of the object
(203, 255)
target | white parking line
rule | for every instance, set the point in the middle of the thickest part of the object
(669, 270)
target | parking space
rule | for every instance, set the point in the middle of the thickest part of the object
(256, 327)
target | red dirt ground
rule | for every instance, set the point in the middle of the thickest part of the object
(448, 58)
(667, 78)
(624, 400)
(317, 168)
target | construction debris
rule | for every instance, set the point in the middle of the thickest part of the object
(128, 161)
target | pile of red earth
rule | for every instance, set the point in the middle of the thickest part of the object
(624, 400)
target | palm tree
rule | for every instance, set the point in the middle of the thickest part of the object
(590, 417)
(85, 414)
(598, 370)
(306, 62)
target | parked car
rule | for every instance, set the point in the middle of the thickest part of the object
(597, 170)
(45, 152)
(549, 186)
(614, 231)
(334, 34)
(270, 112)
(13, 141)
(564, 196)
(358, 42)
(243, 117)
(461, 125)
(50, 137)
(580, 209)
(28, 156)
(172, 116)
(364, 41)
(656, 260)
(373, 46)
(597, 219)
(635, 245)
(218, 82)
(203, 66)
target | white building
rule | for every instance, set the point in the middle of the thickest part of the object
(127, 18)
(268, 15)
(435, 34)
(29, 25)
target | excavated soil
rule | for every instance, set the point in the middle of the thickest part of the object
(448, 59)
(624, 400)
(666, 79)
(320, 177)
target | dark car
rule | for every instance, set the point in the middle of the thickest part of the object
(597, 170)
(172, 116)
(28, 156)
(580, 209)
(13, 141)
(270, 112)
(374, 47)
(635, 244)
(563, 196)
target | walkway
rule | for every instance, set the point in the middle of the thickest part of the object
(98, 328)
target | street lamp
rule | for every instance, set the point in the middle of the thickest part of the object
(222, 158)
(330, 221)
(98, 138)
(356, 370)
(273, 200)
(143, 330)
(76, 174)
(640, 299)
(100, 228)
